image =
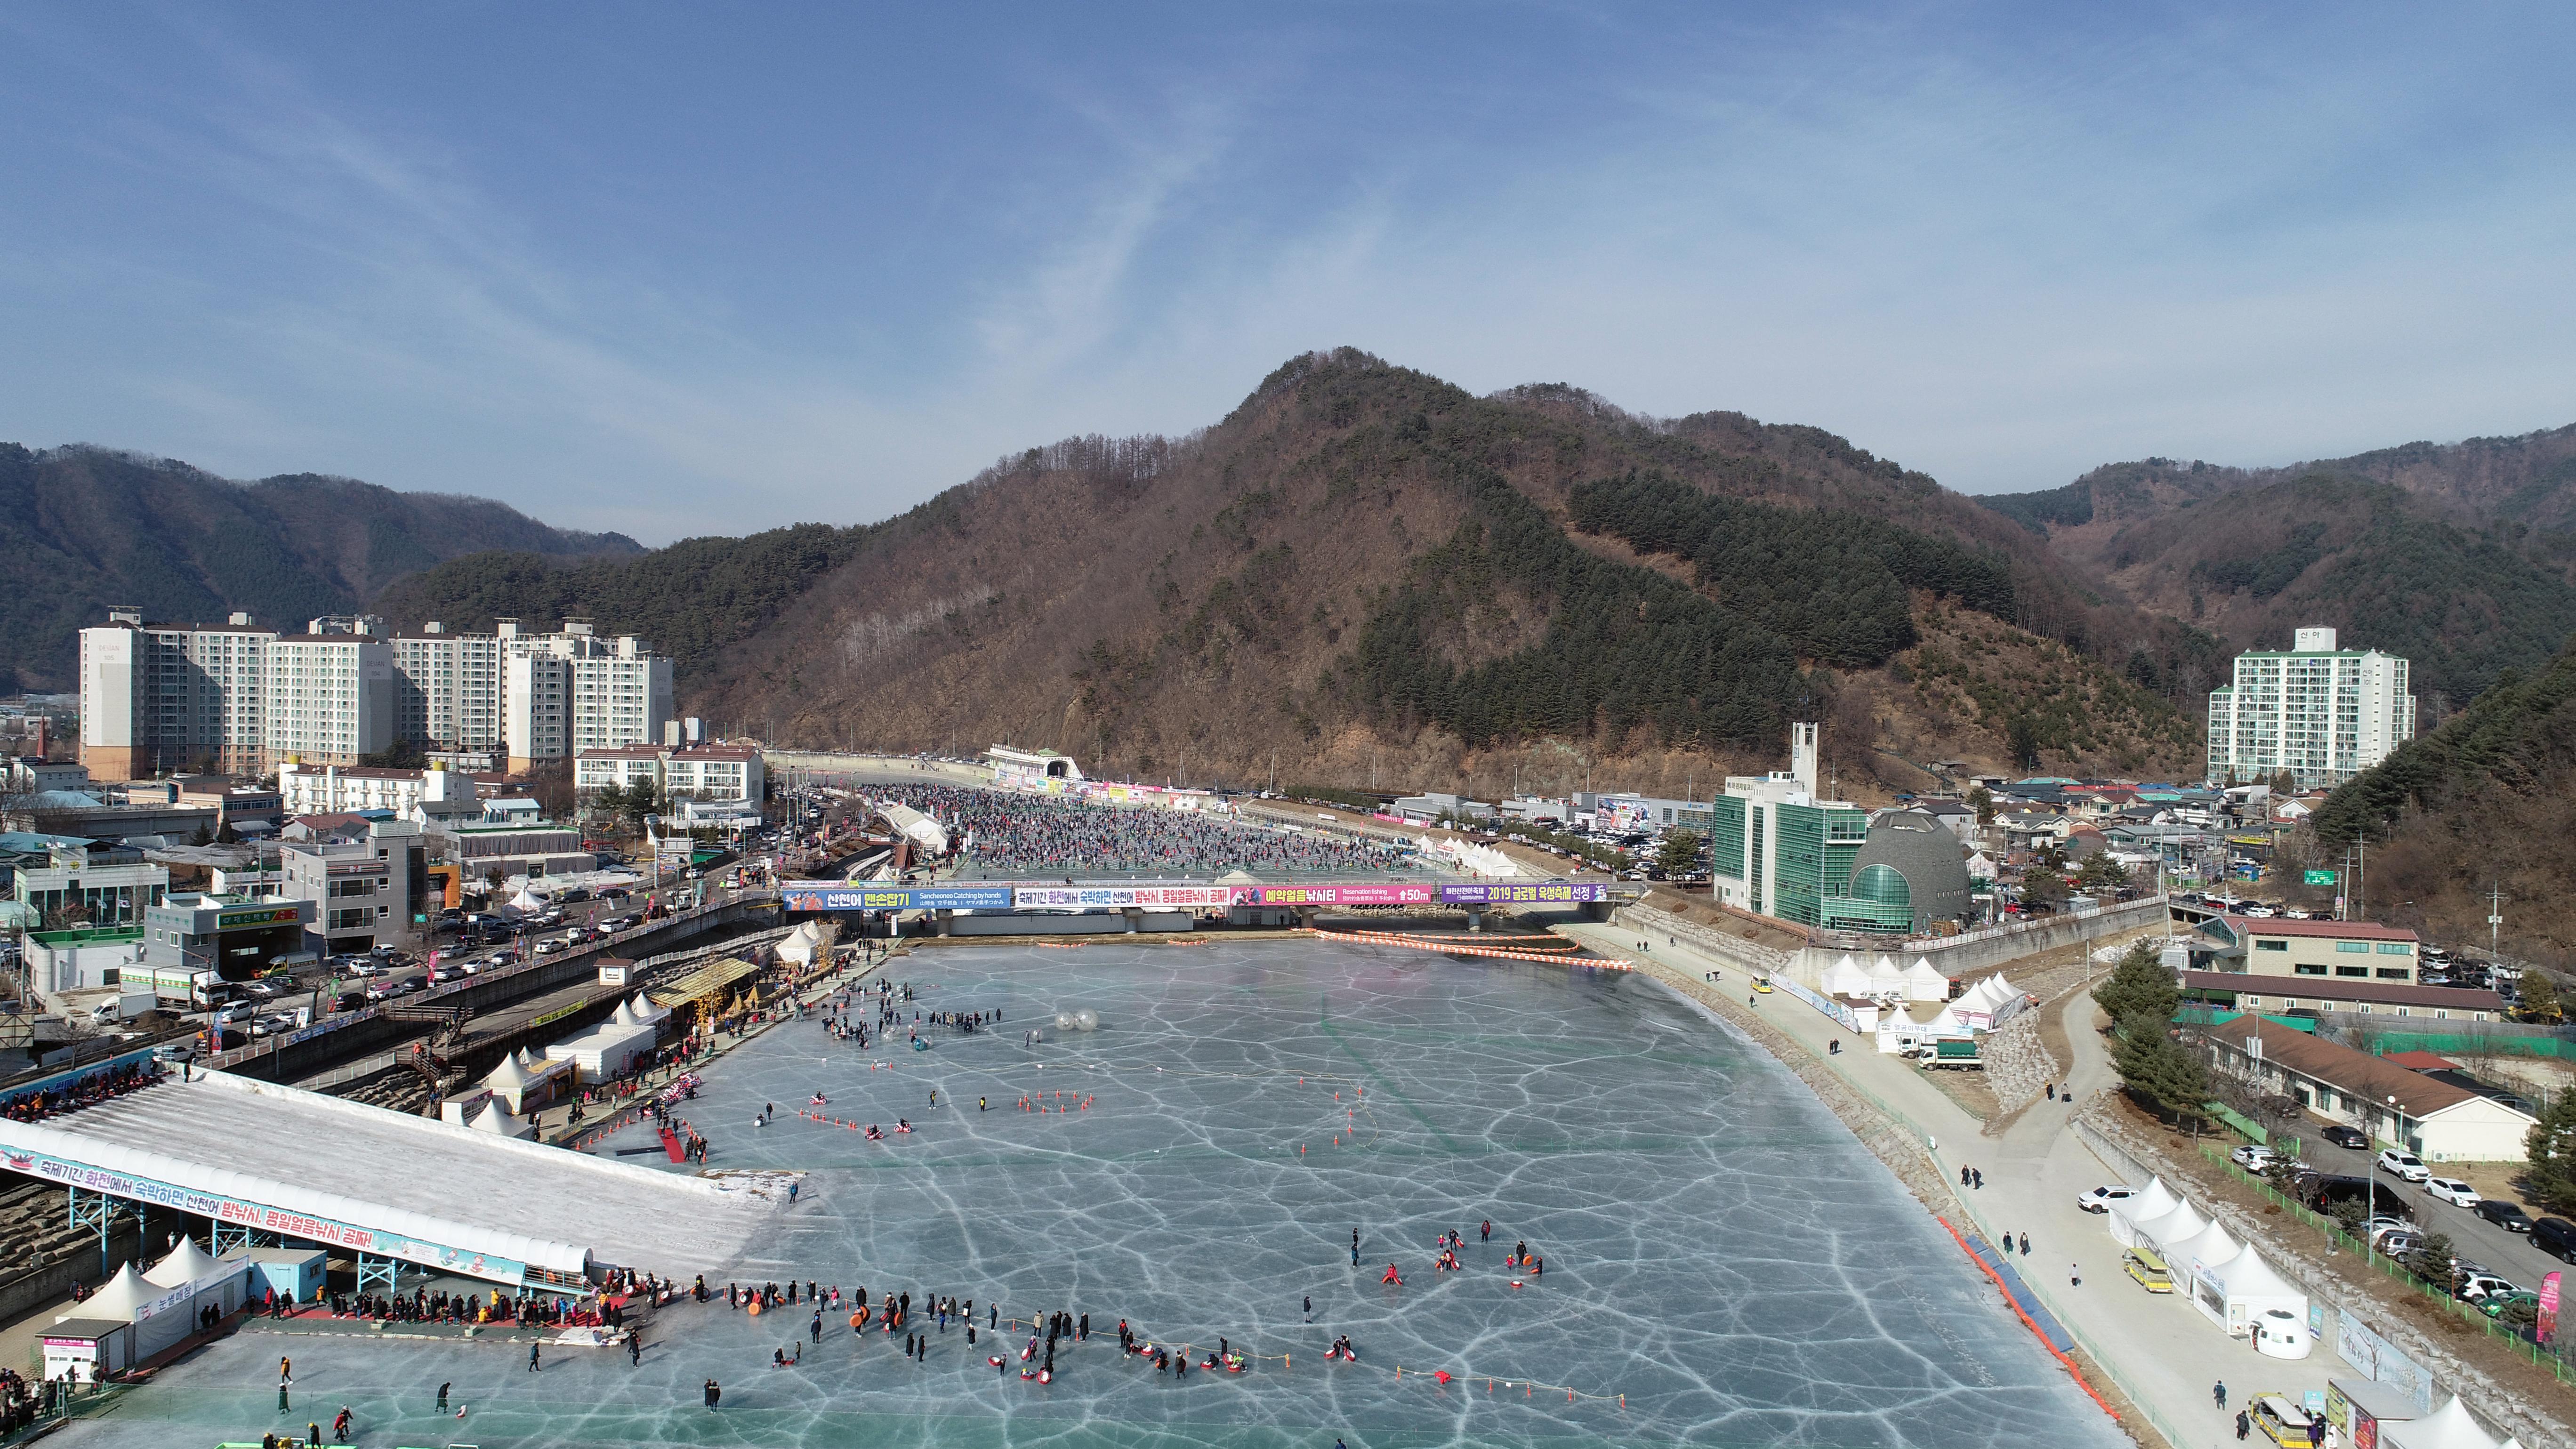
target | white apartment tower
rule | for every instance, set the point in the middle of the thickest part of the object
(159, 697)
(574, 691)
(168, 696)
(2323, 714)
(328, 694)
(448, 689)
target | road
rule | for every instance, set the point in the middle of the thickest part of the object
(2512, 1254)
(2163, 1354)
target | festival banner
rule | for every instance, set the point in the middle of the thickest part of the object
(1390, 894)
(834, 896)
(2546, 1331)
(1165, 898)
(1551, 892)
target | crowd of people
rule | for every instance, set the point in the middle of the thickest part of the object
(523, 1310)
(87, 1090)
(1036, 834)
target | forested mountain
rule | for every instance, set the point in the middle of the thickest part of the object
(2462, 557)
(83, 528)
(1364, 571)
(689, 600)
(2486, 802)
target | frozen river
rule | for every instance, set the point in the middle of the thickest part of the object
(1718, 1249)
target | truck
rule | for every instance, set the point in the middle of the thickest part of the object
(1949, 1053)
(185, 988)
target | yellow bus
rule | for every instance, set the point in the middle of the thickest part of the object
(2148, 1269)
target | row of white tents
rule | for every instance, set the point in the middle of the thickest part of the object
(1988, 1004)
(2226, 1280)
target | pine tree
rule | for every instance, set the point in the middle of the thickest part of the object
(2552, 1148)
(2139, 986)
(2157, 1067)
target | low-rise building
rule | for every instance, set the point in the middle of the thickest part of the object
(489, 853)
(88, 883)
(2434, 1120)
(363, 890)
(1426, 808)
(716, 774)
(434, 794)
(236, 937)
(2314, 996)
(2336, 950)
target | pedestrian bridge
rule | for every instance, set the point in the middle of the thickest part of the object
(267, 1162)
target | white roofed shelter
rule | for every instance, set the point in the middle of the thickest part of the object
(2153, 1202)
(400, 1187)
(1924, 983)
(2448, 1427)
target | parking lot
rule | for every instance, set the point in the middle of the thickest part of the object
(2513, 1255)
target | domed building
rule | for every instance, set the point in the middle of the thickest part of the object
(1909, 872)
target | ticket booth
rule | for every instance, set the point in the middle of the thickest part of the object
(77, 1345)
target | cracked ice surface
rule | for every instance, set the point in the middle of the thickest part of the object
(1719, 1250)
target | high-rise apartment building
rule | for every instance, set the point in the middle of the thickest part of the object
(328, 695)
(2321, 713)
(240, 698)
(574, 691)
(448, 689)
(171, 696)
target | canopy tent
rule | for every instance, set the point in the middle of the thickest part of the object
(624, 1015)
(2448, 1427)
(1884, 976)
(2154, 1201)
(1923, 983)
(646, 1012)
(500, 1123)
(2179, 1226)
(117, 1299)
(507, 1077)
(2244, 1292)
(2205, 1251)
(527, 901)
(1845, 978)
(185, 1264)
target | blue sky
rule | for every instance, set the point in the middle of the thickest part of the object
(681, 269)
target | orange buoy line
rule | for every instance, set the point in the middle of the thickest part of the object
(1460, 948)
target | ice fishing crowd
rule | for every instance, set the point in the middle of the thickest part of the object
(85, 1091)
(999, 830)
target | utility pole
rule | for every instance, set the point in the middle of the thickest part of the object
(2495, 918)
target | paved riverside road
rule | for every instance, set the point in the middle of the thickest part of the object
(2163, 1353)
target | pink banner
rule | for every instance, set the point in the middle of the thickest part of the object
(1349, 895)
(2547, 1327)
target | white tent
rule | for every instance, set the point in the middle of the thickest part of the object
(2179, 1226)
(2206, 1251)
(1885, 979)
(2448, 1427)
(2238, 1293)
(527, 902)
(117, 1298)
(492, 1119)
(2007, 999)
(509, 1078)
(624, 1015)
(1845, 978)
(1923, 983)
(185, 1264)
(646, 1012)
(2152, 1202)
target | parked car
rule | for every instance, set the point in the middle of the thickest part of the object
(2453, 1191)
(2100, 1199)
(2254, 1158)
(2506, 1215)
(2400, 1243)
(549, 946)
(2381, 1226)
(2499, 1305)
(2478, 1282)
(2342, 1136)
(349, 1001)
(2556, 1237)
(2402, 1164)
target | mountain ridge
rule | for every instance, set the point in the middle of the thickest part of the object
(83, 528)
